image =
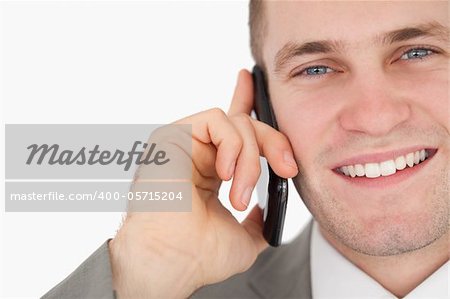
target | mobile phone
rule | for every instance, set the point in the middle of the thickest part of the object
(277, 190)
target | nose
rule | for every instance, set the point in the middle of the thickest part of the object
(373, 107)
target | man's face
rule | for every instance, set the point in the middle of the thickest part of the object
(376, 93)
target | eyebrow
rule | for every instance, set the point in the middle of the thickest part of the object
(293, 49)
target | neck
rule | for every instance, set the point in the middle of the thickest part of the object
(402, 273)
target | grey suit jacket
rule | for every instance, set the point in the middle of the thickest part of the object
(282, 272)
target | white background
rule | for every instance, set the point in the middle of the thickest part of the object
(108, 62)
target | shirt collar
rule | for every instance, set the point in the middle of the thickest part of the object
(333, 276)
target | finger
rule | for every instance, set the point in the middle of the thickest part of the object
(242, 101)
(213, 126)
(204, 174)
(276, 148)
(248, 168)
(253, 224)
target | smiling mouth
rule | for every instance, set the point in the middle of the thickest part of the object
(388, 167)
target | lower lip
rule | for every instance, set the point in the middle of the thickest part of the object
(385, 181)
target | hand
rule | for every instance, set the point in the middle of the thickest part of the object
(171, 254)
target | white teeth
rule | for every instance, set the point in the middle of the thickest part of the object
(372, 170)
(344, 169)
(351, 171)
(410, 159)
(400, 163)
(385, 168)
(359, 170)
(422, 155)
(416, 157)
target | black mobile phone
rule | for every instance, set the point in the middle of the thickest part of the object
(277, 190)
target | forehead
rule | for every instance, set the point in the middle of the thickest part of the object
(355, 22)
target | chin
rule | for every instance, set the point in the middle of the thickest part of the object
(391, 234)
(379, 223)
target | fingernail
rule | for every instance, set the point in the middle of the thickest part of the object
(246, 196)
(289, 159)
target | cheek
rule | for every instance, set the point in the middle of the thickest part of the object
(439, 102)
(307, 121)
(430, 94)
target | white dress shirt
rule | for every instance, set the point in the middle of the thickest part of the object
(333, 276)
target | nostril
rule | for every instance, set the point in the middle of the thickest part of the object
(375, 115)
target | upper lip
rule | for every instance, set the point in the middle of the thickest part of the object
(379, 157)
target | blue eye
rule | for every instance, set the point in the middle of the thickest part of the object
(418, 53)
(316, 70)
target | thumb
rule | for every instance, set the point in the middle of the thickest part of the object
(253, 224)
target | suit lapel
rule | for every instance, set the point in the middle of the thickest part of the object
(284, 271)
